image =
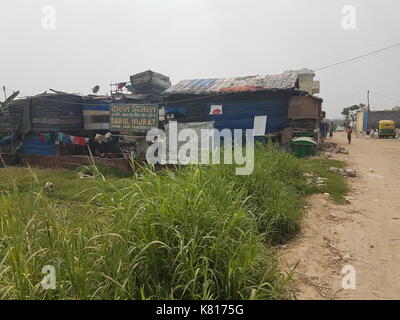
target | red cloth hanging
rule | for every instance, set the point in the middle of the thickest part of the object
(42, 137)
(80, 141)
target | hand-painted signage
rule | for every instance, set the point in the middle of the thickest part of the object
(136, 118)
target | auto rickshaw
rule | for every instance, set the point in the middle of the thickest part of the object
(387, 128)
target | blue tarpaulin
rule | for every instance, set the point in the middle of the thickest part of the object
(240, 115)
(105, 107)
(181, 110)
(33, 145)
(5, 140)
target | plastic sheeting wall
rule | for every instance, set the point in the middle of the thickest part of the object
(33, 145)
(239, 113)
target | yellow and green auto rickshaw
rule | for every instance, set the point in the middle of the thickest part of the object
(387, 128)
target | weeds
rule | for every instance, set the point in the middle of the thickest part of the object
(198, 233)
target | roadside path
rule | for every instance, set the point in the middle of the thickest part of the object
(364, 234)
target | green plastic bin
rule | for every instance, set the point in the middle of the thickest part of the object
(304, 147)
(311, 134)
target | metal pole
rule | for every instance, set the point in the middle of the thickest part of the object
(9, 126)
(369, 106)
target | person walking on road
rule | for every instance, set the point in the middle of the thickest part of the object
(331, 130)
(349, 134)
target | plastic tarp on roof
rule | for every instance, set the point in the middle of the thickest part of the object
(239, 84)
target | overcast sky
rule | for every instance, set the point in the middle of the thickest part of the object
(104, 41)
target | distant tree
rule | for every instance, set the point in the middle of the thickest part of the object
(350, 113)
(396, 108)
(346, 112)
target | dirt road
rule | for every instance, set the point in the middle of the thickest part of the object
(364, 234)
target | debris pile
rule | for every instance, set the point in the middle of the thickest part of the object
(314, 180)
(326, 149)
(341, 150)
(352, 173)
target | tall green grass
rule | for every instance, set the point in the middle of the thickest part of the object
(198, 233)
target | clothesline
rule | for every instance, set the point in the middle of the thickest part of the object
(66, 139)
(63, 139)
(126, 136)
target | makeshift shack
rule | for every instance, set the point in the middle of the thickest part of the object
(239, 103)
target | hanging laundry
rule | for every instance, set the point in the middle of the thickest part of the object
(42, 137)
(60, 136)
(67, 139)
(121, 85)
(99, 138)
(63, 139)
(48, 137)
(80, 141)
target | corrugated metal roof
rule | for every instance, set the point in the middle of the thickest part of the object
(239, 84)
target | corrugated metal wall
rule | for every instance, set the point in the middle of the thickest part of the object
(20, 118)
(375, 116)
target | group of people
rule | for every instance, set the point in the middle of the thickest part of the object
(372, 133)
(330, 128)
